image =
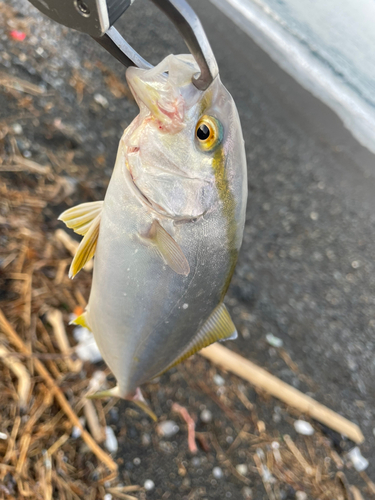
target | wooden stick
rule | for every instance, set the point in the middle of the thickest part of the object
(6, 328)
(55, 319)
(19, 370)
(259, 377)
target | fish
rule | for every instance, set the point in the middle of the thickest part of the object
(167, 235)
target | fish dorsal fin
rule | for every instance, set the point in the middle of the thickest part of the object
(218, 327)
(81, 320)
(80, 218)
(168, 248)
(87, 247)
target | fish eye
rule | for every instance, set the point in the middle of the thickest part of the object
(209, 133)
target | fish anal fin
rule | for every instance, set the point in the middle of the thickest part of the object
(168, 248)
(81, 321)
(218, 327)
(79, 218)
(86, 248)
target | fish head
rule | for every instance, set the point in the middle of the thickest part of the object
(184, 140)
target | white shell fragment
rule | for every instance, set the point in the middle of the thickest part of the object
(217, 472)
(206, 416)
(110, 440)
(3, 435)
(360, 463)
(149, 485)
(86, 349)
(167, 429)
(242, 469)
(303, 427)
(274, 341)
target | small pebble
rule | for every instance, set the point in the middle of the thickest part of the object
(146, 439)
(242, 469)
(274, 341)
(303, 427)
(26, 153)
(110, 440)
(167, 429)
(355, 264)
(17, 128)
(247, 493)
(206, 416)
(107, 496)
(217, 473)
(137, 461)
(3, 435)
(196, 461)
(301, 495)
(100, 99)
(359, 462)
(149, 485)
(218, 380)
(314, 216)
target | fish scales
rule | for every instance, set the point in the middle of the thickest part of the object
(171, 226)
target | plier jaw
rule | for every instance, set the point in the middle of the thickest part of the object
(96, 18)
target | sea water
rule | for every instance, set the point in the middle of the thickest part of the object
(326, 45)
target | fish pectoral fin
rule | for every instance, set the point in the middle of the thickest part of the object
(86, 249)
(80, 218)
(167, 248)
(81, 321)
(218, 327)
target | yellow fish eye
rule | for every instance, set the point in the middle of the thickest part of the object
(208, 132)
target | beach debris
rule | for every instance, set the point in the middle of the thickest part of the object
(110, 440)
(242, 469)
(55, 319)
(360, 463)
(303, 427)
(274, 341)
(19, 36)
(149, 485)
(218, 380)
(3, 435)
(190, 425)
(167, 428)
(217, 472)
(259, 377)
(206, 416)
(20, 371)
(87, 348)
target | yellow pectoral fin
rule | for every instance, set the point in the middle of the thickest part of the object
(168, 248)
(218, 327)
(80, 218)
(86, 249)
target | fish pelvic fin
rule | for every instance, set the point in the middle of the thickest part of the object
(218, 327)
(80, 218)
(81, 321)
(168, 249)
(87, 247)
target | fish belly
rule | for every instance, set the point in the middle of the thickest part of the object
(141, 312)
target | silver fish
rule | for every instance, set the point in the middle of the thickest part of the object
(167, 235)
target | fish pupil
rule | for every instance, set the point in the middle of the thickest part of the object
(203, 132)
